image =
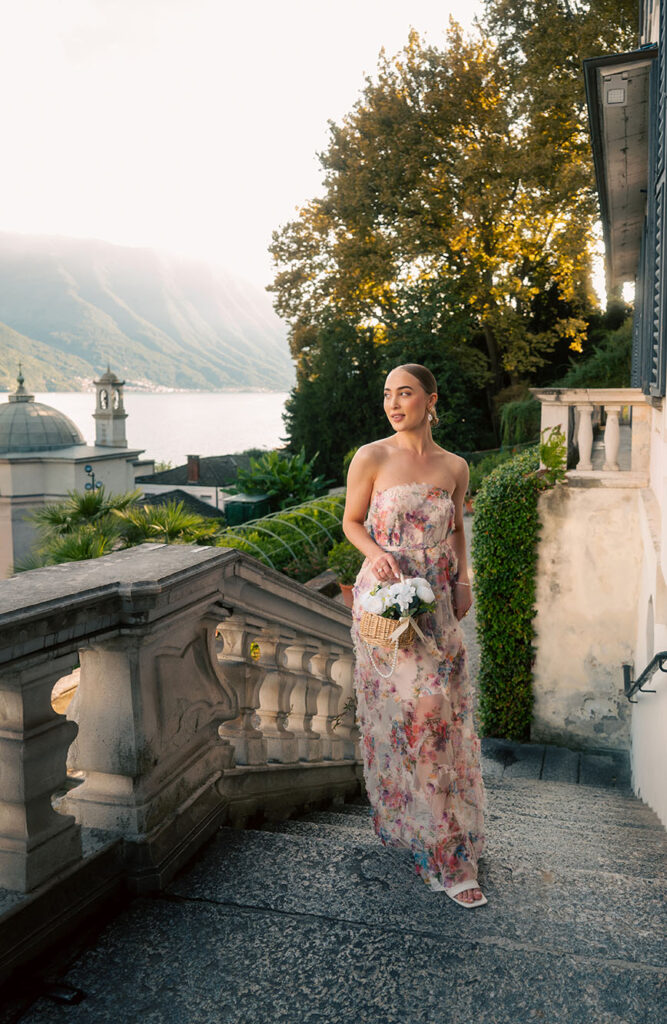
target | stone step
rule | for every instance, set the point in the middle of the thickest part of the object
(508, 760)
(542, 844)
(571, 803)
(177, 961)
(564, 909)
(563, 804)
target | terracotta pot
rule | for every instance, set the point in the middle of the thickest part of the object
(468, 504)
(346, 591)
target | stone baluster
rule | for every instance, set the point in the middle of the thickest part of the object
(342, 672)
(244, 675)
(304, 699)
(585, 436)
(328, 703)
(612, 437)
(277, 686)
(36, 842)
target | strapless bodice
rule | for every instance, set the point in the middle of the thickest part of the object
(410, 516)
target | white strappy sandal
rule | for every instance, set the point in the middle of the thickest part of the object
(454, 890)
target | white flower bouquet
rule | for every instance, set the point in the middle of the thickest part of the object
(388, 615)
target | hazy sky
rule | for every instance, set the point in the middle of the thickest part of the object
(186, 125)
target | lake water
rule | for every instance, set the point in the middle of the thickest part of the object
(171, 426)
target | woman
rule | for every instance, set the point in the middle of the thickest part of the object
(404, 512)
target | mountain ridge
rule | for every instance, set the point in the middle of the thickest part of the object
(70, 306)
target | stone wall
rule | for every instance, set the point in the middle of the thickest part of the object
(588, 582)
(649, 714)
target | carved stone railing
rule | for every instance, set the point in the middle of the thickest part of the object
(209, 690)
(558, 405)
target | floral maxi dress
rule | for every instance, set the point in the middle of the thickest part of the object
(421, 754)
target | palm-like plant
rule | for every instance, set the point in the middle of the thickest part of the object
(94, 523)
(166, 524)
(81, 508)
(87, 541)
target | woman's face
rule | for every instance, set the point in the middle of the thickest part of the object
(406, 404)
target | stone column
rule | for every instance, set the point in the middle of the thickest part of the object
(304, 699)
(277, 686)
(342, 672)
(328, 703)
(612, 437)
(244, 675)
(585, 436)
(36, 842)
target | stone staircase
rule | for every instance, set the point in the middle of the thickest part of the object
(313, 921)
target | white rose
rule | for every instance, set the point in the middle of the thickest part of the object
(402, 595)
(373, 603)
(424, 591)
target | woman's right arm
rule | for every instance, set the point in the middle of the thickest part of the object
(360, 478)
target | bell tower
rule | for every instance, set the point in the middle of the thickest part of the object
(110, 412)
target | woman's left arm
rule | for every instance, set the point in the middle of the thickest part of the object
(461, 590)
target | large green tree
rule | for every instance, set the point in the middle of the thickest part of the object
(458, 187)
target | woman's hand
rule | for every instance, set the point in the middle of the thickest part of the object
(385, 567)
(462, 597)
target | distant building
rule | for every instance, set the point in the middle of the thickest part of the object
(205, 479)
(43, 456)
(190, 503)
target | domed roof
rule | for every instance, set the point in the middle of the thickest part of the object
(30, 426)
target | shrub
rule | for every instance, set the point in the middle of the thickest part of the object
(285, 479)
(346, 561)
(481, 469)
(504, 553)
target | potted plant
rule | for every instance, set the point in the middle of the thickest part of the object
(346, 562)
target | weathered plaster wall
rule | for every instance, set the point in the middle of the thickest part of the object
(649, 714)
(588, 581)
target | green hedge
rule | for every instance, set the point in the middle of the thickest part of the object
(295, 541)
(504, 554)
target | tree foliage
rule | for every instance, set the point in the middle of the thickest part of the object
(456, 213)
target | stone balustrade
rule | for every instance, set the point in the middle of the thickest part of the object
(573, 410)
(212, 690)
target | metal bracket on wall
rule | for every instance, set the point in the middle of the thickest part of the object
(632, 686)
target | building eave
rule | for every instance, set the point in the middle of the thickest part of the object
(75, 453)
(617, 94)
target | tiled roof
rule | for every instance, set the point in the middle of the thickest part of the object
(190, 503)
(214, 471)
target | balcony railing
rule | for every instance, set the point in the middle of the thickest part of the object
(212, 690)
(625, 449)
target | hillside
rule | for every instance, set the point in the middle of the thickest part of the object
(69, 306)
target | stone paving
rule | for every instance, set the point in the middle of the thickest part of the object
(313, 921)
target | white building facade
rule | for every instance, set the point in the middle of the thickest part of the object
(601, 648)
(43, 456)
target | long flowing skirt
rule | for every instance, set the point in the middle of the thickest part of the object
(421, 753)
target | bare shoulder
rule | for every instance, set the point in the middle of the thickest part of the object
(370, 455)
(456, 468)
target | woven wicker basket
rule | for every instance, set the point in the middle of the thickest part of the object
(376, 630)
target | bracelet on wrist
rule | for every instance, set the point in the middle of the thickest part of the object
(460, 583)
